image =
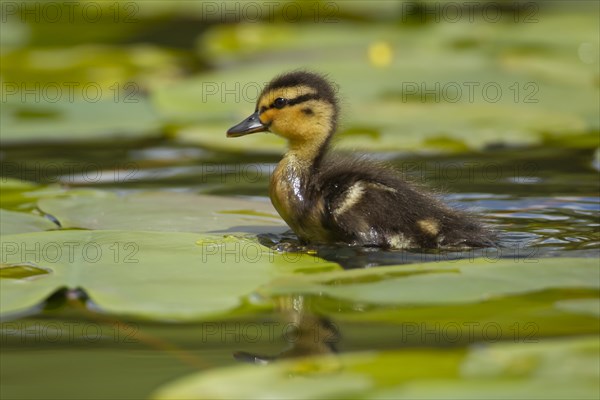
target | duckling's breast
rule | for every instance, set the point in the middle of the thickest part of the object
(299, 205)
(285, 193)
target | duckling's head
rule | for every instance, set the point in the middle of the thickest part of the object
(299, 106)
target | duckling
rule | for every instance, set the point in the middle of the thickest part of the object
(327, 198)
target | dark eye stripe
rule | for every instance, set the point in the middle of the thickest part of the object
(292, 102)
(303, 98)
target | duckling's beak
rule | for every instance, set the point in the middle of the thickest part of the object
(251, 124)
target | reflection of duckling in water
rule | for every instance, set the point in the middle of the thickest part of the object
(325, 198)
(305, 333)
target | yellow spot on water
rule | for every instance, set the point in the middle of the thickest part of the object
(380, 54)
(249, 34)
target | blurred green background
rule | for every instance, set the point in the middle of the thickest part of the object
(112, 125)
(412, 75)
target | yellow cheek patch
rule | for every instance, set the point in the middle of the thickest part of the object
(267, 116)
(299, 127)
(429, 226)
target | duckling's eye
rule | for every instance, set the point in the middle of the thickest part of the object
(280, 102)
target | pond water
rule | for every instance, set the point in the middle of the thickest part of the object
(543, 201)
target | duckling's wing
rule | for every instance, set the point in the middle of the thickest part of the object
(375, 206)
(370, 212)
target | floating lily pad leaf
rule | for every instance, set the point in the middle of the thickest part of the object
(498, 389)
(311, 378)
(556, 369)
(486, 124)
(16, 184)
(75, 120)
(580, 306)
(461, 281)
(17, 194)
(120, 74)
(553, 359)
(12, 222)
(513, 370)
(22, 196)
(157, 275)
(167, 212)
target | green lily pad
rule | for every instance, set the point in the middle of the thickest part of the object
(156, 275)
(76, 120)
(16, 184)
(166, 212)
(20, 195)
(120, 73)
(455, 282)
(553, 369)
(12, 222)
(15, 193)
